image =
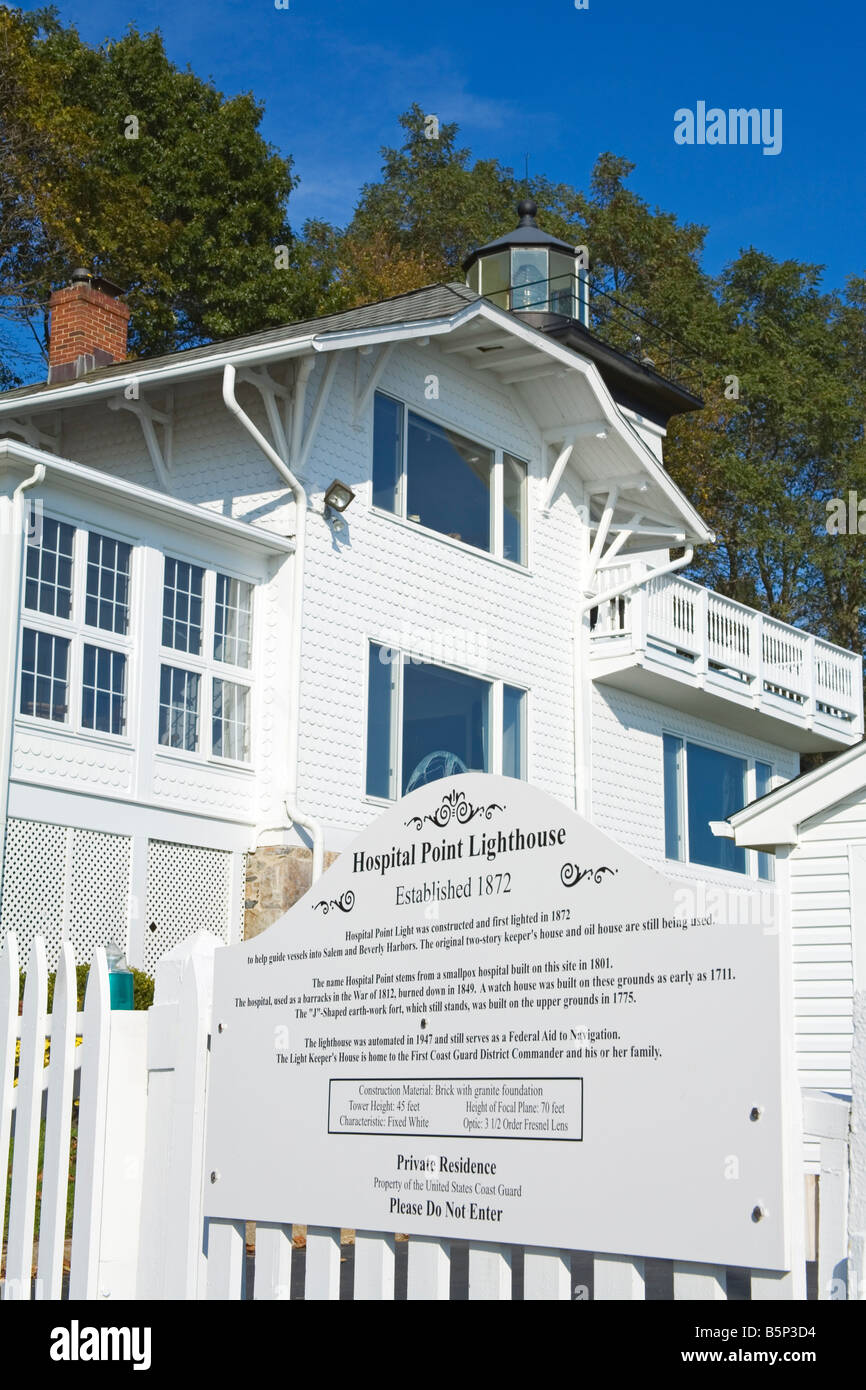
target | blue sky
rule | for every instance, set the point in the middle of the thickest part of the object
(560, 84)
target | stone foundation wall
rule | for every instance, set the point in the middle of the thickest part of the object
(277, 877)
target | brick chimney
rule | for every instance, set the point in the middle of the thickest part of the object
(89, 323)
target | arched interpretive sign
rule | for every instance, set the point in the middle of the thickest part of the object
(488, 1021)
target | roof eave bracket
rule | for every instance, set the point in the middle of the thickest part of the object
(363, 393)
(161, 454)
(567, 438)
(32, 434)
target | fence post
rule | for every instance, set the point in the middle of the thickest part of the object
(171, 1253)
(828, 1117)
(25, 1164)
(123, 1169)
(857, 1141)
(8, 1033)
(109, 1162)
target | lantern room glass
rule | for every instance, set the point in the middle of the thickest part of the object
(495, 278)
(529, 279)
(563, 297)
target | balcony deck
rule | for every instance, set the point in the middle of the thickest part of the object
(680, 644)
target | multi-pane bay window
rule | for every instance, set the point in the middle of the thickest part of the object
(701, 785)
(431, 475)
(204, 688)
(75, 627)
(426, 721)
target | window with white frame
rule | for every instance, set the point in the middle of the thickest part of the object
(701, 785)
(103, 690)
(75, 628)
(426, 721)
(429, 474)
(107, 590)
(232, 621)
(48, 585)
(204, 696)
(182, 601)
(45, 675)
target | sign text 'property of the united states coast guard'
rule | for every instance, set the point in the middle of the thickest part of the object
(488, 1021)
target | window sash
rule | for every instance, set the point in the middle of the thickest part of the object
(386, 767)
(103, 690)
(461, 505)
(460, 735)
(690, 771)
(675, 847)
(389, 418)
(393, 490)
(179, 708)
(514, 490)
(721, 778)
(513, 732)
(182, 606)
(381, 750)
(763, 785)
(49, 569)
(232, 639)
(106, 600)
(44, 675)
(230, 719)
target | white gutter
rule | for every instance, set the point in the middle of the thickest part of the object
(580, 642)
(642, 579)
(14, 571)
(299, 817)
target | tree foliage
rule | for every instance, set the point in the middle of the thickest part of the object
(122, 162)
(190, 215)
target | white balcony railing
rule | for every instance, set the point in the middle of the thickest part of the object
(726, 646)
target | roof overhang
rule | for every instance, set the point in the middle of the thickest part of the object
(776, 819)
(18, 461)
(560, 389)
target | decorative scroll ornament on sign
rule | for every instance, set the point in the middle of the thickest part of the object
(572, 874)
(455, 806)
(345, 902)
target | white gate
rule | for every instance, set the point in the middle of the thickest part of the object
(134, 1086)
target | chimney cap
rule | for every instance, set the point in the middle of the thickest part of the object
(82, 276)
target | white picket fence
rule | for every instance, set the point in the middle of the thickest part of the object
(138, 1230)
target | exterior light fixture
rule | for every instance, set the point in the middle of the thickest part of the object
(338, 496)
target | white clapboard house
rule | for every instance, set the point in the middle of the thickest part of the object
(255, 591)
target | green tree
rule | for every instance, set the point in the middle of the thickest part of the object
(760, 467)
(163, 185)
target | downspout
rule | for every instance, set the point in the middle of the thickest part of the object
(293, 810)
(9, 674)
(580, 643)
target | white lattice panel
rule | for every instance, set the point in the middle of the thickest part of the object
(34, 882)
(64, 882)
(188, 890)
(98, 891)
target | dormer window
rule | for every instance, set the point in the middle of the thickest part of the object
(428, 474)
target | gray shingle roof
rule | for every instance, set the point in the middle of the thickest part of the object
(430, 302)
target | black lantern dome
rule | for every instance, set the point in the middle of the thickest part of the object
(530, 271)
